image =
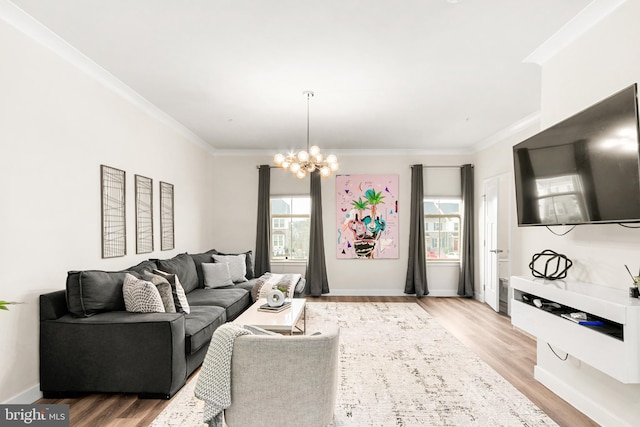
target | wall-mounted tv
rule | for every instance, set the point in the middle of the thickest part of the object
(583, 170)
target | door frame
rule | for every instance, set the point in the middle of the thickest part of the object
(509, 189)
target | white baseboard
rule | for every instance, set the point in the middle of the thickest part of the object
(590, 407)
(387, 293)
(27, 397)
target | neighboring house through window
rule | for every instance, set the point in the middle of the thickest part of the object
(290, 222)
(442, 228)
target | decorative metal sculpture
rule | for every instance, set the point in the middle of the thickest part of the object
(562, 265)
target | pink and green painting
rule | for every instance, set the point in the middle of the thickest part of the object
(367, 216)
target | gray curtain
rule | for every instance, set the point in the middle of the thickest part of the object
(316, 275)
(262, 257)
(416, 282)
(465, 285)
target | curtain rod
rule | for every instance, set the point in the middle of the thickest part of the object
(443, 167)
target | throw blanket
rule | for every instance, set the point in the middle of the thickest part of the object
(268, 281)
(214, 382)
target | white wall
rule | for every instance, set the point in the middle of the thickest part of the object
(596, 65)
(237, 179)
(601, 62)
(57, 125)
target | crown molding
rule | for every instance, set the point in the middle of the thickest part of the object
(25, 23)
(354, 152)
(588, 17)
(532, 120)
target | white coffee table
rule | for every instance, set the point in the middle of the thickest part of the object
(284, 322)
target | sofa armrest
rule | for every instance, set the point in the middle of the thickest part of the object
(53, 305)
(123, 352)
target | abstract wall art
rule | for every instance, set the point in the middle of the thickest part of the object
(367, 216)
(144, 214)
(166, 217)
(113, 212)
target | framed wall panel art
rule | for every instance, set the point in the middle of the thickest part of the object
(113, 212)
(144, 214)
(167, 235)
(367, 216)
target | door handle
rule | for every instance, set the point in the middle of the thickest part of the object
(496, 251)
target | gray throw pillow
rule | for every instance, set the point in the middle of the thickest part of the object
(141, 296)
(165, 290)
(216, 275)
(179, 297)
(237, 266)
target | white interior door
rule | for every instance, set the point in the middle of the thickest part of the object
(491, 250)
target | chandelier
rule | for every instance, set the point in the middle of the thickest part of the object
(304, 162)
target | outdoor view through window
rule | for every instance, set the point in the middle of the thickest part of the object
(442, 229)
(290, 221)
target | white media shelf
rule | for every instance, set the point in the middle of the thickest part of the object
(613, 348)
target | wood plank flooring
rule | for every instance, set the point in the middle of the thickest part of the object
(490, 335)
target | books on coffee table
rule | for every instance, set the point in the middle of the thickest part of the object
(268, 308)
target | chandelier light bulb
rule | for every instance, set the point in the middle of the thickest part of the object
(278, 159)
(294, 168)
(314, 150)
(333, 166)
(310, 167)
(301, 173)
(285, 164)
(325, 171)
(332, 159)
(318, 158)
(303, 156)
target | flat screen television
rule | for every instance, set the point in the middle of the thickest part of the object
(583, 170)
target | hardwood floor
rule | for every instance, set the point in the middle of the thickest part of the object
(490, 335)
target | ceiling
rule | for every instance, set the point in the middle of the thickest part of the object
(426, 75)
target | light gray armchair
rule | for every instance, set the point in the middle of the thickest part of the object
(283, 381)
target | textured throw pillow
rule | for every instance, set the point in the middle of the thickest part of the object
(216, 274)
(141, 296)
(165, 290)
(248, 261)
(237, 266)
(179, 297)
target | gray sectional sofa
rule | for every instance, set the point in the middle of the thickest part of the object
(90, 343)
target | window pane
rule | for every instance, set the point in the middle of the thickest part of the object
(290, 222)
(301, 206)
(442, 228)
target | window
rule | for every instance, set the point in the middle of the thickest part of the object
(442, 228)
(290, 222)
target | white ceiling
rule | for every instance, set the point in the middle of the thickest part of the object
(426, 75)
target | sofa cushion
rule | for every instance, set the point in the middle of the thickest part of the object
(233, 300)
(179, 298)
(248, 260)
(93, 291)
(199, 326)
(216, 275)
(198, 259)
(141, 296)
(183, 266)
(145, 266)
(237, 266)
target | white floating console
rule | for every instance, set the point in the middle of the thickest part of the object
(612, 348)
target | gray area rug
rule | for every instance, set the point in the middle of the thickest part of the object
(399, 367)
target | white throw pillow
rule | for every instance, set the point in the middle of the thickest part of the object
(141, 296)
(216, 274)
(237, 266)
